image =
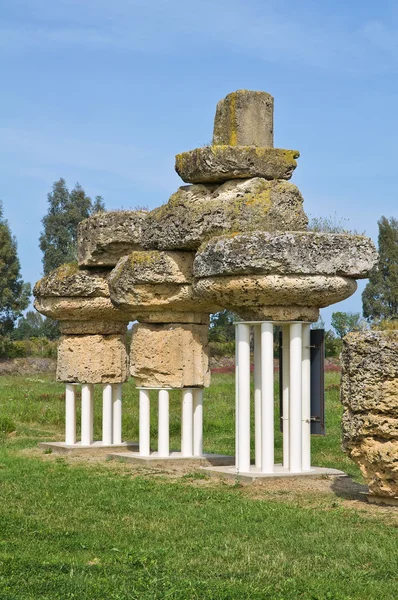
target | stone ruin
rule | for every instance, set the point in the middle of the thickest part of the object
(369, 393)
(235, 237)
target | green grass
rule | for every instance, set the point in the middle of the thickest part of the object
(109, 531)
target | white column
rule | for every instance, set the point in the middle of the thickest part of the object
(285, 392)
(145, 433)
(306, 399)
(187, 422)
(87, 414)
(117, 412)
(257, 394)
(198, 422)
(70, 414)
(163, 424)
(295, 397)
(243, 341)
(107, 428)
(267, 398)
(236, 397)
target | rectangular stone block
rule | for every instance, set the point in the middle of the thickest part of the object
(92, 359)
(172, 355)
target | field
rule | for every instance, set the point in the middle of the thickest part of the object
(96, 529)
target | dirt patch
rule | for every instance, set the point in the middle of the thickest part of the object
(27, 366)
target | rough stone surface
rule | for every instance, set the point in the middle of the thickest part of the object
(299, 253)
(105, 237)
(221, 163)
(196, 213)
(152, 266)
(92, 359)
(244, 118)
(92, 327)
(81, 309)
(369, 393)
(262, 295)
(68, 280)
(173, 355)
(171, 316)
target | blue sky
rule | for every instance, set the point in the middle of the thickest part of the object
(106, 93)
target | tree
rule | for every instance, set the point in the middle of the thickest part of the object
(344, 322)
(14, 293)
(58, 240)
(222, 327)
(380, 297)
(33, 325)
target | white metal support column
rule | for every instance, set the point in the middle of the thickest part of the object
(295, 398)
(163, 424)
(267, 398)
(243, 392)
(107, 410)
(285, 392)
(70, 413)
(87, 414)
(117, 412)
(198, 422)
(187, 422)
(144, 422)
(306, 399)
(257, 395)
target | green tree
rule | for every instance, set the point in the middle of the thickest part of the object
(222, 327)
(344, 322)
(380, 297)
(33, 325)
(14, 293)
(58, 240)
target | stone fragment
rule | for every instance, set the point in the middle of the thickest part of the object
(275, 297)
(222, 163)
(290, 253)
(172, 355)
(196, 213)
(81, 309)
(107, 236)
(92, 327)
(146, 282)
(244, 118)
(369, 393)
(92, 359)
(69, 280)
(171, 316)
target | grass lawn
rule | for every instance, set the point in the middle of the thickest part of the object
(72, 528)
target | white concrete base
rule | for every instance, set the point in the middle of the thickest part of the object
(64, 448)
(279, 471)
(175, 457)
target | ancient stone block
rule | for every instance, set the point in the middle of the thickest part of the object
(290, 253)
(275, 297)
(92, 359)
(68, 280)
(222, 163)
(172, 355)
(153, 267)
(107, 236)
(196, 213)
(244, 118)
(92, 327)
(369, 393)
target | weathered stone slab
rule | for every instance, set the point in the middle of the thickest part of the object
(105, 237)
(290, 253)
(92, 359)
(244, 118)
(197, 213)
(275, 297)
(68, 280)
(153, 267)
(222, 163)
(172, 355)
(92, 327)
(369, 393)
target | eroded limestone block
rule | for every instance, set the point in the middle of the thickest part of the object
(173, 355)
(107, 236)
(196, 213)
(298, 253)
(153, 281)
(70, 281)
(92, 359)
(369, 393)
(244, 118)
(221, 163)
(92, 327)
(275, 297)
